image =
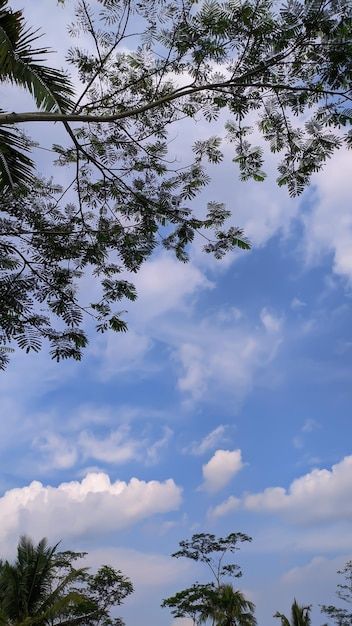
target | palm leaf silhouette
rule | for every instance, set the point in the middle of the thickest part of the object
(21, 65)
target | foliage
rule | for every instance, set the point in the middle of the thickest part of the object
(300, 616)
(230, 608)
(342, 616)
(193, 602)
(216, 600)
(50, 88)
(211, 551)
(153, 66)
(43, 587)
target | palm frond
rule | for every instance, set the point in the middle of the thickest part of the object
(15, 166)
(55, 596)
(283, 618)
(20, 63)
(300, 615)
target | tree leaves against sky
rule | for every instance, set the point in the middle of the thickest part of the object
(284, 68)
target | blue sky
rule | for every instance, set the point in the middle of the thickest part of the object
(227, 406)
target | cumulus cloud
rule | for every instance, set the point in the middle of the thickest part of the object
(321, 494)
(221, 468)
(224, 508)
(318, 496)
(75, 508)
(230, 504)
(210, 441)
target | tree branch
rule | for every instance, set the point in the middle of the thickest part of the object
(16, 118)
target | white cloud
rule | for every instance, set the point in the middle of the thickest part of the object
(182, 621)
(320, 495)
(60, 453)
(231, 314)
(309, 425)
(264, 209)
(324, 235)
(317, 568)
(210, 441)
(298, 442)
(121, 352)
(221, 468)
(75, 508)
(165, 284)
(118, 447)
(88, 415)
(226, 357)
(313, 583)
(153, 450)
(195, 370)
(230, 504)
(297, 304)
(270, 322)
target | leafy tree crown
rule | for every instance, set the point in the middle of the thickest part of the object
(281, 69)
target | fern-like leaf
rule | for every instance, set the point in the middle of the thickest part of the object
(20, 63)
(15, 165)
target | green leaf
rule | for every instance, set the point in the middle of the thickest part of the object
(16, 168)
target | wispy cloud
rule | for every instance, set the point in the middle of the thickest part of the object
(208, 442)
(226, 357)
(297, 304)
(118, 447)
(308, 427)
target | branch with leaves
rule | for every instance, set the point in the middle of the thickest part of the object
(286, 69)
(342, 616)
(44, 586)
(217, 600)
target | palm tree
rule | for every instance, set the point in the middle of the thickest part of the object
(21, 65)
(300, 616)
(38, 589)
(228, 607)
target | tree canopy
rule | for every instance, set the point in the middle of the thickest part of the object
(44, 587)
(216, 600)
(281, 69)
(300, 616)
(342, 616)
